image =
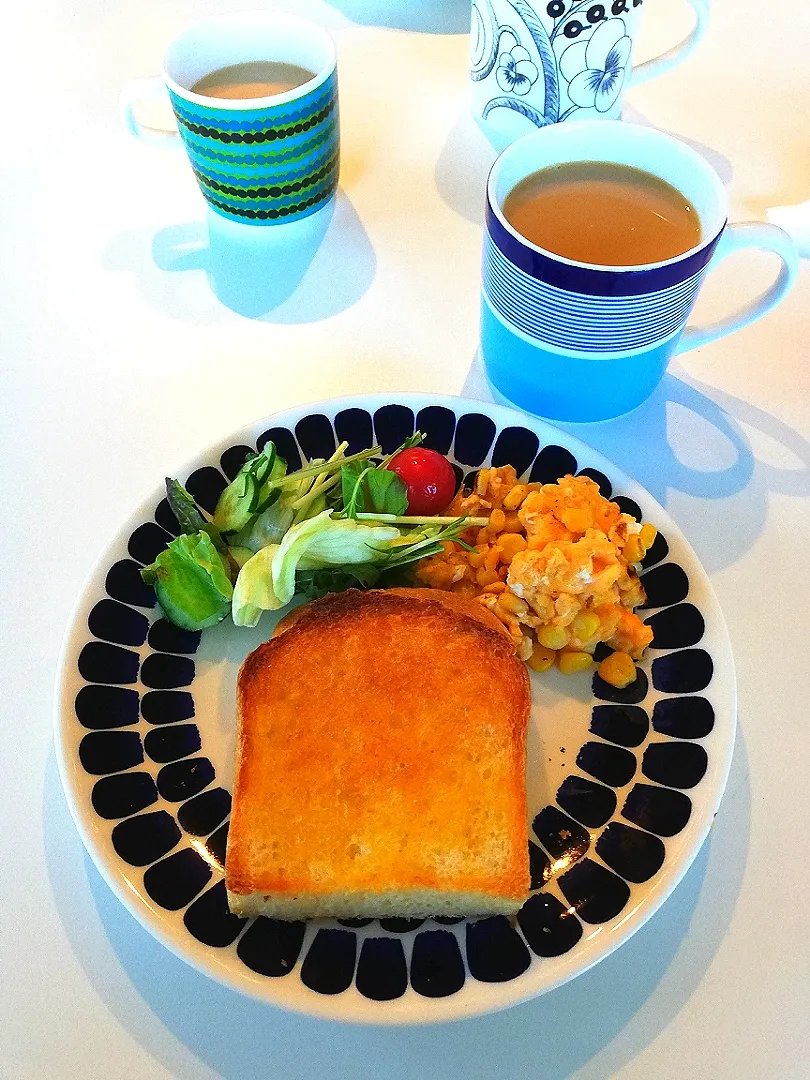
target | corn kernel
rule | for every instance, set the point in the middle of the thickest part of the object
(576, 520)
(496, 587)
(585, 625)
(515, 497)
(647, 536)
(497, 520)
(618, 670)
(481, 482)
(510, 544)
(515, 605)
(476, 558)
(486, 577)
(633, 551)
(513, 524)
(570, 662)
(482, 538)
(553, 637)
(541, 658)
(492, 558)
(464, 588)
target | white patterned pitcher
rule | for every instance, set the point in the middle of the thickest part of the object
(539, 62)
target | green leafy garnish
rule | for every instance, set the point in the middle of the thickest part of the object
(191, 582)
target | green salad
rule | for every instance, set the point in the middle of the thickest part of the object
(334, 524)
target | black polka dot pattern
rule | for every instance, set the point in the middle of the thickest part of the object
(393, 424)
(382, 973)
(156, 788)
(271, 947)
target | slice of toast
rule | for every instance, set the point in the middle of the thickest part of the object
(380, 765)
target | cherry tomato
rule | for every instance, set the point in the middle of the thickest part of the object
(428, 477)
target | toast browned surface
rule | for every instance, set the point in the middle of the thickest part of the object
(380, 764)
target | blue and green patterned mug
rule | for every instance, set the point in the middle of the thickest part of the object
(259, 161)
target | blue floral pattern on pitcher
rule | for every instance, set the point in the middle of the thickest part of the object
(577, 51)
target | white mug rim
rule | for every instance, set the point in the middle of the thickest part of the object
(276, 18)
(570, 128)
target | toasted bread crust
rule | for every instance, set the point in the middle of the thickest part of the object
(380, 753)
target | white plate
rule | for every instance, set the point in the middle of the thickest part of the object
(150, 803)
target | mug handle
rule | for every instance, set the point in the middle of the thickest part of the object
(736, 237)
(659, 64)
(152, 89)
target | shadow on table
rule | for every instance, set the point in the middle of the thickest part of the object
(708, 445)
(589, 1027)
(469, 153)
(420, 16)
(295, 273)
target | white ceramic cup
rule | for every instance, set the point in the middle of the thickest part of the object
(539, 62)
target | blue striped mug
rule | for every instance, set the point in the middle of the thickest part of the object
(260, 161)
(579, 342)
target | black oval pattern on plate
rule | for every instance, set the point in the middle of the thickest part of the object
(285, 445)
(354, 427)
(515, 446)
(448, 920)
(597, 894)
(315, 436)
(201, 815)
(474, 435)
(664, 585)
(110, 751)
(164, 516)
(328, 967)
(124, 583)
(393, 424)
(106, 707)
(633, 854)
(182, 779)
(438, 425)
(683, 672)
(590, 803)
(682, 718)
(562, 838)
(459, 474)
(676, 764)
(357, 923)
(122, 795)
(400, 926)
(210, 921)
(437, 967)
(166, 637)
(147, 542)
(552, 463)
(495, 952)
(676, 627)
(175, 881)
(627, 725)
(628, 695)
(205, 486)
(610, 764)
(166, 706)
(656, 553)
(172, 743)
(233, 459)
(116, 622)
(601, 481)
(163, 671)
(601, 651)
(628, 506)
(271, 946)
(548, 926)
(657, 809)
(539, 866)
(146, 837)
(217, 844)
(103, 663)
(382, 974)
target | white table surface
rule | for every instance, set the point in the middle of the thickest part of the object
(126, 345)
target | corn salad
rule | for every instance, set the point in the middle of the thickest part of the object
(558, 565)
